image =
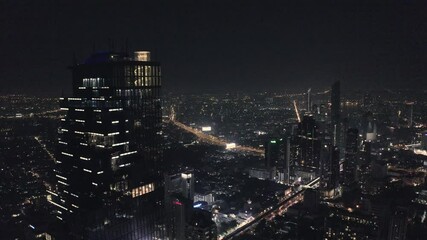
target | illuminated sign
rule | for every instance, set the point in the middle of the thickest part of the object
(206, 129)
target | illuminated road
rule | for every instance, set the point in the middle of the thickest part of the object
(270, 213)
(302, 94)
(203, 137)
(43, 146)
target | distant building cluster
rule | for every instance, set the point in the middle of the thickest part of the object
(120, 160)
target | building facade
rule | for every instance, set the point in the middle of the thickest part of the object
(109, 161)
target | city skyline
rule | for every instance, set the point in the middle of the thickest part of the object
(219, 46)
(213, 120)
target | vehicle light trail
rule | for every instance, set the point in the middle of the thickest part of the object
(215, 140)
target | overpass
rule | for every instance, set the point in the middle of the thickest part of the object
(272, 211)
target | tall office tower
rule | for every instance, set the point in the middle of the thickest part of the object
(336, 112)
(274, 153)
(335, 168)
(330, 171)
(289, 161)
(351, 157)
(309, 101)
(325, 158)
(109, 165)
(179, 198)
(309, 143)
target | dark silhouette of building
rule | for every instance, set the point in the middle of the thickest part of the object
(311, 199)
(336, 112)
(307, 139)
(274, 153)
(330, 170)
(179, 198)
(335, 167)
(398, 224)
(351, 158)
(109, 153)
(201, 226)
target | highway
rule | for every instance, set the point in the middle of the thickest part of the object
(203, 137)
(272, 212)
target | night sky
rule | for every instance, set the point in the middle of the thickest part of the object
(213, 46)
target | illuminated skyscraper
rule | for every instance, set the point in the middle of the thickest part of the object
(109, 165)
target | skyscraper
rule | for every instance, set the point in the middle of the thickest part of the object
(309, 101)
(274, 153)
(330, 170)
(179, 198)
(109, 144)
(351, 157)
(336, 112)
(309, 143)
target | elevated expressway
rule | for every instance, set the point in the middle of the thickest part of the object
(272, 211)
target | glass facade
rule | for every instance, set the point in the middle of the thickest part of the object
(109, 165)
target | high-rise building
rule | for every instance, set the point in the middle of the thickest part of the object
(289, 161)
(309, 100)
(335, 167)
(274, 153)
(307, 138)
(336, 112)
(330, 171)
(109, 165)
(179, 198)
(351, 157)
